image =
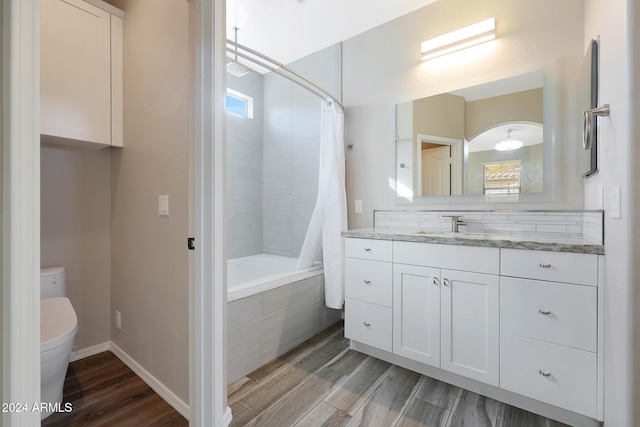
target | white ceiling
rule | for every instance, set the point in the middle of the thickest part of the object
(287, 30)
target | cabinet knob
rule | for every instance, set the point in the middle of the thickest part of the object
(436, 281)
(545, 312)
(367, 249)
(545, 265)
(367, 324)
(544, 373)
(367, 282)
(447, 282)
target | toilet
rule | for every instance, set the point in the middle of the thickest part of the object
(58, 326)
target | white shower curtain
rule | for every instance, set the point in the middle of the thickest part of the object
(330, 213)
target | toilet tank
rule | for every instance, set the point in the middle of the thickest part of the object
(53, 282)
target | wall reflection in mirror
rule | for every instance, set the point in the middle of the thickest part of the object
(481, 140)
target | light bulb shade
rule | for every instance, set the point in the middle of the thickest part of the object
(460, 39)
(509, 143)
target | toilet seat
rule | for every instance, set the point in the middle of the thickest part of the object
(58, 322)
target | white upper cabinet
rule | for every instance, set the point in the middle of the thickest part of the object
(81, 73)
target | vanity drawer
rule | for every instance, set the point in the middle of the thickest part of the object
(554, 374)
(376, 250)
(369, 281)
(566, 267)
(451, 257)
(368, 323)
(554, 312)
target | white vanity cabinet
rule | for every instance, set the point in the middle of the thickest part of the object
(447, 317)
(368, 279)
(81, 73)
(549, 328)
(505, 322)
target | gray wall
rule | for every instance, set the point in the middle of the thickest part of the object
(244, 171)
(75, 232)
(617, 23)
(149, 259)
(291, 150)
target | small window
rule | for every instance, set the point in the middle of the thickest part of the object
(502, 177)
(239, 104)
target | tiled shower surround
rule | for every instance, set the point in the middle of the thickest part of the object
(272, 173)
(268, 324)
(272, 166)
(569, 223)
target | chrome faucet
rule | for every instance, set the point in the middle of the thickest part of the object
(456, 222)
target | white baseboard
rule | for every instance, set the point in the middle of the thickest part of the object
(152, 382)
(226, 421)
(91, 351)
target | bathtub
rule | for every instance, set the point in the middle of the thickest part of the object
(253, 274)
(272, 307)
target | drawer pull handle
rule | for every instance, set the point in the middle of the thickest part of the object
(447, 282)
(545, 312)
(436, 281)
(367, 249)
(367, 324)
(543, 373)
(545, 265)
(367, 282)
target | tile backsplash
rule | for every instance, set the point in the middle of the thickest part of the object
(585, 224)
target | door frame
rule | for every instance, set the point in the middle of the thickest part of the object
(458, 154)
(208, 291)
(21, 212)
(20, 209)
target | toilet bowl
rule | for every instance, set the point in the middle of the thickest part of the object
(58, 327)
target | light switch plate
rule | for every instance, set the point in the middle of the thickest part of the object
(358, 206)
(163, 205)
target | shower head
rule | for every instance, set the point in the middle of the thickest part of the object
(237, 69)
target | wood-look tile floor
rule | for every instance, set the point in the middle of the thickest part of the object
(103, 391)
(324, 383)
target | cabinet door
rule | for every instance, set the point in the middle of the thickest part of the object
(416, 313)
(75, 64)
(471, 325)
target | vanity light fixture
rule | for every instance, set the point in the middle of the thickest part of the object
(509, 142)
(459, 39)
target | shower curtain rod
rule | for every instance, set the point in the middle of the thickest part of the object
(278, 68)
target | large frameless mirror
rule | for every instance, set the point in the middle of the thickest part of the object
(486, 142)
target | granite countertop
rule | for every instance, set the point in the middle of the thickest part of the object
(490, 240)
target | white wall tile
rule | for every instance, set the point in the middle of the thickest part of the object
(244, 350)
(244, 310)
(587, 224)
